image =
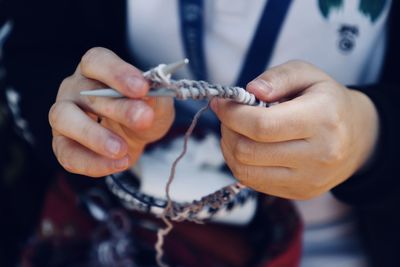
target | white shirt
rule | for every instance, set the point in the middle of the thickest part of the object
(154, 36)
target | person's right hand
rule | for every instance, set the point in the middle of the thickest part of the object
(84, 146)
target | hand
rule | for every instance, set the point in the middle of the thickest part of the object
(84, 146)
(302, 147)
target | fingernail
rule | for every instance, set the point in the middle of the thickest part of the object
(135, 86)
(113, 146)
(121, 163)
(263, 87)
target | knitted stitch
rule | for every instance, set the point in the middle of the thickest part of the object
(198, 90)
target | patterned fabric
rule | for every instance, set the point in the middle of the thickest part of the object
(92, 229)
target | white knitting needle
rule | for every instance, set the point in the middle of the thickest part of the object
(164, 70)
(109, 92)
(170, 69)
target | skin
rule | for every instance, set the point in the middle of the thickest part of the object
(302, 147)
(298, 149)
(86, 147)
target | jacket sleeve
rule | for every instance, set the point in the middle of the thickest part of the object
(379, 184)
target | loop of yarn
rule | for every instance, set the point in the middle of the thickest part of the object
(198, 90)
(185, 89)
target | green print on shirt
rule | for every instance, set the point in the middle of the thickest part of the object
(370, 8)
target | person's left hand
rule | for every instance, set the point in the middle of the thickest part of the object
(302, 147)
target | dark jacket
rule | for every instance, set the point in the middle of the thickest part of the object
(49, 37)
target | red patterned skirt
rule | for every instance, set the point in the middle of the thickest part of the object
(69, 235)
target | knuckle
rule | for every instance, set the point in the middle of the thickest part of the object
(90, 57)
(298, 64)
(91, 135)
(337, 136)
(333, 119)
(263, 129)
(86, 129)
(52, 116)
(332, 124)
(243, 151)
(282, 75)
(93, 138)
(93, 53)
(55, 113)
(120, 78)
(66, 83)
(334, 154)
(294, 65)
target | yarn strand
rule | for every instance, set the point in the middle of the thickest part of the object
(163, 232)
(184, 89)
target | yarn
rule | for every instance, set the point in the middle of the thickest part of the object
(198, 90)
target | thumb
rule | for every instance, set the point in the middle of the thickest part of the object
(285, 80)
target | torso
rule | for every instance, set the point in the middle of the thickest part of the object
(347, 42)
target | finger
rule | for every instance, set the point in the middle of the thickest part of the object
(105, 66)
(148, 118)
(164, 115)
(273, 180)
(132, 113)
(78, 159)
(246, 151)
(286, 80)
(286, 121)
(70, 121)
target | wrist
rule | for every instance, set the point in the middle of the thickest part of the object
(365, 130)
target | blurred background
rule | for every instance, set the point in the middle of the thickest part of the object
(20, 194)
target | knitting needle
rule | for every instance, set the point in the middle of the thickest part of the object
(108, 92)
(170, 69)
(163, 70)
